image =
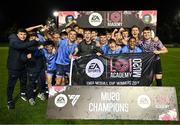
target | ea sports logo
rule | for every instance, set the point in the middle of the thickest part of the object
(94, 68)
(60, 100)
(95, 19)
(144, 101)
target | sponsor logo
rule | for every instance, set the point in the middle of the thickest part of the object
(147, 18)
(74, 99)
(95, 19)
(120, 65)
(114, 19)
(60, 100)
(144, 101)
(69, 18)
(94, 68)
(162, 101)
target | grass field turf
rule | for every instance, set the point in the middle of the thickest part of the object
(26, 114)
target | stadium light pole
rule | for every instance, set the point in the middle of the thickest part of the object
(56, 13)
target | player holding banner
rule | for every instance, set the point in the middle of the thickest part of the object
(149, 45)
(67, 48)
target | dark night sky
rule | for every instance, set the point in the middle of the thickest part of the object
(33, 12)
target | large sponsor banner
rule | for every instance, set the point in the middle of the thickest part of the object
(118, 70)
(109, 19)
(108, 102)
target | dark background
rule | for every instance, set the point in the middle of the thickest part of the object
(34, 12)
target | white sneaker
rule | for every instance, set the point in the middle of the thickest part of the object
(23, 97)
(42, 96)
(32, 101)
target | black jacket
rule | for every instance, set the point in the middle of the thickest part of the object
(36, 63)
(88, 49)
(16, 47)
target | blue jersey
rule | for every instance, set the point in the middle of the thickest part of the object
(126, 49)
(65, 49)
(41, 38)
(50, 60)
(113, 52)
(104, 48)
